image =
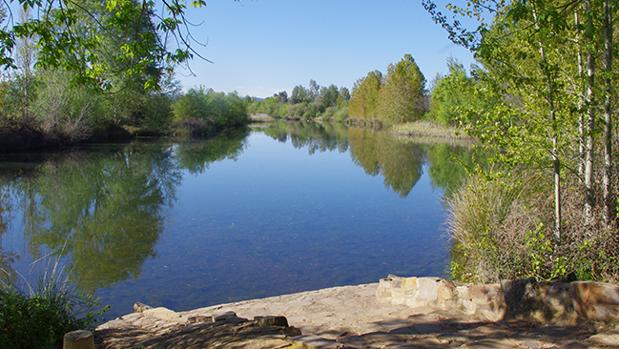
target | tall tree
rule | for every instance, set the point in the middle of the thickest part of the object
(364, 100)
(590, 113)
(608, 175)
(402, 96)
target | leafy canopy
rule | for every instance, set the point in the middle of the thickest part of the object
(72, 34)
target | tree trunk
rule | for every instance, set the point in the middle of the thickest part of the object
(609, 200)
(581, 101)
(590, 119)
(556, 163)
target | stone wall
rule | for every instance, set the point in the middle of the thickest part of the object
(544, 302)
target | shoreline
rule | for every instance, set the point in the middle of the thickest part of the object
(420, 131)
(396, 312)
(21, 140)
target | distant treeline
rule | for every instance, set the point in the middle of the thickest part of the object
(398, 96)
(307, 103)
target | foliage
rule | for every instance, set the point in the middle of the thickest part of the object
(74, 36)
(66, 111)
(313, 102)
(216, 109)
(364, 99)
(40, 318)
(395, 98)
(542, 103)
(451, 95)
(401, 97)
(502, 229)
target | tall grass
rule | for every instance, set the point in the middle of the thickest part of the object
(37, 316)
(502, 229)
(428, 129)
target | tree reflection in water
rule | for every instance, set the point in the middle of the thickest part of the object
(102, 206)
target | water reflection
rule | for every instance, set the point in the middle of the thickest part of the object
(398, 161)
(103, 208)
(198, 155)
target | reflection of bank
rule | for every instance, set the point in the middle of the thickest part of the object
(196, 156)
(399, 162)
(7, 274)
(102, 206)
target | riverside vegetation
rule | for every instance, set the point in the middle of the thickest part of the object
(54, 94)
(541, 101)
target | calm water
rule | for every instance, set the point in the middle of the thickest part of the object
(248, 214)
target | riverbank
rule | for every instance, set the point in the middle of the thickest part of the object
(420, 131)
(429, 130)
(397, 312)
(26, 139)
(20, 139)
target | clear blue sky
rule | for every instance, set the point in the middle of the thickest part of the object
(260, 47)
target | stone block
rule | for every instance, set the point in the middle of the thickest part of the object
(165, 314)
(224, 316)
(200, 319)
(80, 339)
(140, 307)
(267, 321)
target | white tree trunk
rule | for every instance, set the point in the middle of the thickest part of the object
(556, 163)
(581, 101)
(590, 119)
(609, 200)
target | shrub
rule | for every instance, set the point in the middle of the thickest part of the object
(341, 114)
(65, 110)
(501, 229)
(156, 114)
(212, 108)
(41, 317)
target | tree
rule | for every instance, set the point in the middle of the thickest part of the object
(364, 100)
(313, 91)
(609, 211)
(299, 95)
(402, 96)
(451, 94)
(343, 97)
(548, 103)
(65, 41)
(281, 97)
(327, 97)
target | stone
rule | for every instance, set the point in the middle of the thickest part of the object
(223, 316)
(417, 292)
(200, 319)
(561, 302)
(609, 339)
(314, 342)
(267, 321)
(79, 339)
(596, 301)
(140, 307)
(164, 314)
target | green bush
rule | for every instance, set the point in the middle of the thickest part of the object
(219, 110)
(40, 319)
(500, 227)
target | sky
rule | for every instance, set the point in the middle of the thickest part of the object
(260, 47)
